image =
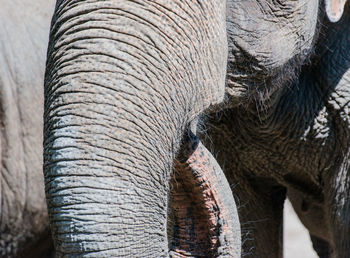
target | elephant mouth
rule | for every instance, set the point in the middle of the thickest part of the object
(199, 222)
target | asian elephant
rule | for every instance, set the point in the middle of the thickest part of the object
(24, 227)
(126, 83)
(295, 144)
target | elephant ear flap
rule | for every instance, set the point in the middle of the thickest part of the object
(334, 9)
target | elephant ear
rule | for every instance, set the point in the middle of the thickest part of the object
(334, 9)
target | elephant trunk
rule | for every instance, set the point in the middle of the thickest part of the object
(203, 211)
(123, 79)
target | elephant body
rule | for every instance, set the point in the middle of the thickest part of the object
(294, 144)
(125, 84)
(24, 228)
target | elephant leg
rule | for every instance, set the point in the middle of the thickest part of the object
(261, 216)
(337, 198)
(204, 214)
(321, 247)
(312, 214)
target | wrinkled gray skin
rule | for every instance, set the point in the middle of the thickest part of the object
(295, 144)
(125, 79)
(24, 26)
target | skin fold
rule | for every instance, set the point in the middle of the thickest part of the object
(125, 82)
(24, 229)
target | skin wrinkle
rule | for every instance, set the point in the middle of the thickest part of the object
(170, 41)
(85, 102)
(81, 205)
(177, 24)
(92, 159)
(105, 134)
(72, 32)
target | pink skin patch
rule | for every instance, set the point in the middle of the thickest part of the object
(202, 222)
(334, 9)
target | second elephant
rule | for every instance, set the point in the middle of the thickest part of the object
(296, 144)
(125, 81)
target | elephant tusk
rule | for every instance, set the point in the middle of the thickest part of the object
(334, 9)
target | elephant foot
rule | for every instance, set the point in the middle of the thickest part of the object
(204, 220)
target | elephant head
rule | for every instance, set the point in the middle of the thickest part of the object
(125, 81)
